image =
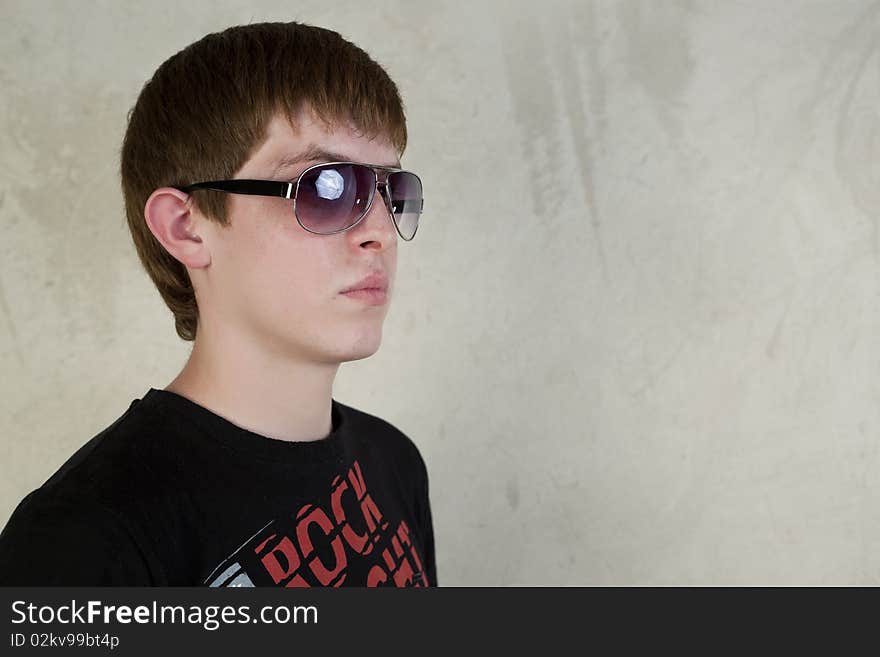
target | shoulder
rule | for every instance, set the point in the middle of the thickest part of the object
(103, 479)
(376, 433)
(42, 514)
(81, 542)
(77, 525)
(111, 463)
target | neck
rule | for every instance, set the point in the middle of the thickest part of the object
(269, 393)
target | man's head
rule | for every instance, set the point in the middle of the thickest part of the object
(233, 105)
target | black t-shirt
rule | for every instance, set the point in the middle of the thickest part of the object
(172, 494)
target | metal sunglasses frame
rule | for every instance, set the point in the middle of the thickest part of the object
(288, 190)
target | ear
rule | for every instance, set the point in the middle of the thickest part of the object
(172, 223)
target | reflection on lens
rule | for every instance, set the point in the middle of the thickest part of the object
(329, 184)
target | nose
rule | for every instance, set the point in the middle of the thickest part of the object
(378, 224)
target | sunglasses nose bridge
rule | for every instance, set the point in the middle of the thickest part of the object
(379, 187)
(385, 192)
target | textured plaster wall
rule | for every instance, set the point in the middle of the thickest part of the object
(637, 337)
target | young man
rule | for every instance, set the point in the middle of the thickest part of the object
(262, 181)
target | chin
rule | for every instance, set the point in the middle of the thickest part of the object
(346, 347)
(354, 357)
(364, 346)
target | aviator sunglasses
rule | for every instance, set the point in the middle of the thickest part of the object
(332, 197)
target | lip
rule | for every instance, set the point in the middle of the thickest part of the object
(373, 296)
(377, 280)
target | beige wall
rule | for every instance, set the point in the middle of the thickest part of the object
(636, 337)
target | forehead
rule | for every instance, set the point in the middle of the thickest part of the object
(286, 150)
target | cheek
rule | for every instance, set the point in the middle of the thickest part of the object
(288, 272)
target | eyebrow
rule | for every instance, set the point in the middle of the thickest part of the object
(314, 153)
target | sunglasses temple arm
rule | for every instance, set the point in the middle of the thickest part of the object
(241, 186)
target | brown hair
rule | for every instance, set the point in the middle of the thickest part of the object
(206, 109)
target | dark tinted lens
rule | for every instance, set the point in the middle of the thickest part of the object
(405, 189)
(331, 198)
